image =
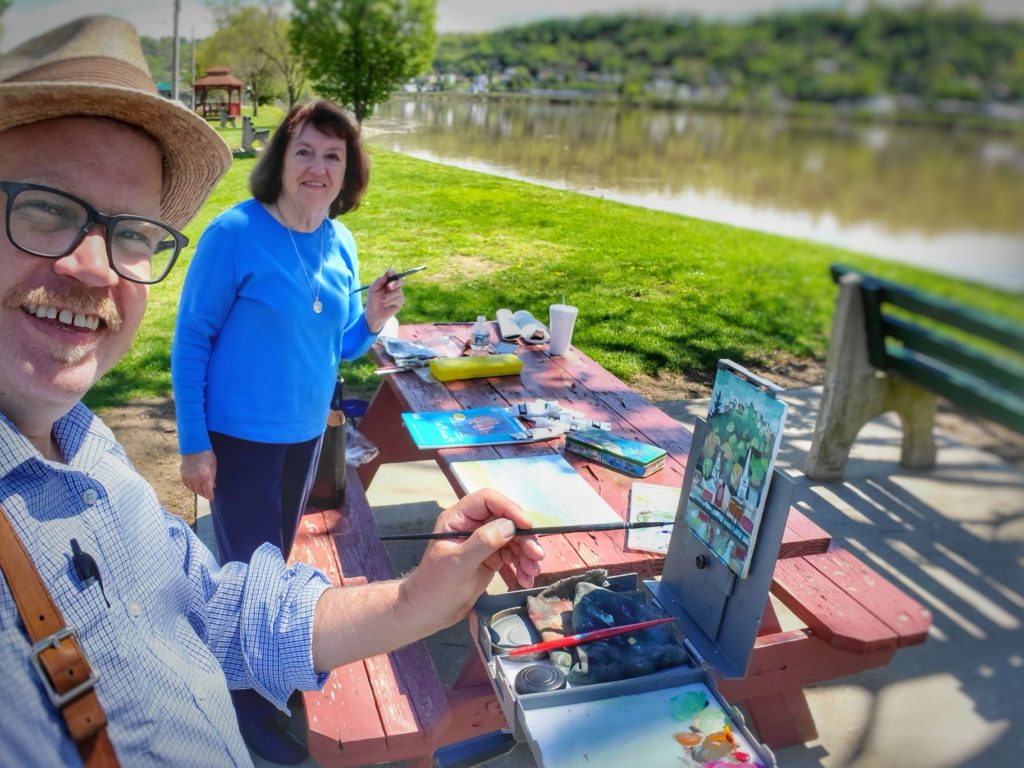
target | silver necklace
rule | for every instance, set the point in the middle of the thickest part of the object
(317, 306)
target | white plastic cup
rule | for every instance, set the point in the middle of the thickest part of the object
(561, 320)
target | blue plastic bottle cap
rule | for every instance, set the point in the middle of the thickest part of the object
(538, 678)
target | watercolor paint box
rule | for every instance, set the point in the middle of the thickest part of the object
(614, 723)
(629, 456)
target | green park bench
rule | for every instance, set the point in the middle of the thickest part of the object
(896, 349)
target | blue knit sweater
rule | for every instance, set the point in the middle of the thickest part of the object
(250, 358)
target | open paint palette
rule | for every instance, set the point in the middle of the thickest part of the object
(674, 717)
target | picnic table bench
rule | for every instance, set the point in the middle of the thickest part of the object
(895, 349)
(393, 706)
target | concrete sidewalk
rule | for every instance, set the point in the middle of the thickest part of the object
(952, 537)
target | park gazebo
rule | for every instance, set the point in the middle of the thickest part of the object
(218, 90)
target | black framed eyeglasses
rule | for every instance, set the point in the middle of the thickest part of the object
(47, 222)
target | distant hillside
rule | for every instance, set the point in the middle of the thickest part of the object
(934, 56)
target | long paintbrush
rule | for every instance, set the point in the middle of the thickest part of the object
(586, 637)
(542, 531)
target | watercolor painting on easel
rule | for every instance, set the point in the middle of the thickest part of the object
(734, 466)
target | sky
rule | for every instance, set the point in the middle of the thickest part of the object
(26, 18)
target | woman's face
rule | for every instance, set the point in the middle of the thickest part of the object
(314, 169)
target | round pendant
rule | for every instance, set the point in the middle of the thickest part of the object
(318, 307)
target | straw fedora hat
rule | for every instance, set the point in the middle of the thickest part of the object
(94, 67)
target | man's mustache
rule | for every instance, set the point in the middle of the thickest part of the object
(77, 301)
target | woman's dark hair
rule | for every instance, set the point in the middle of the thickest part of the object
(265, 179)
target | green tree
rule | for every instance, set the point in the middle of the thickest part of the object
(159, 56)
(358, 51)
(252, 41)
(257, 38)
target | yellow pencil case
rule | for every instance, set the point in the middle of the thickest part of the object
(476, 367)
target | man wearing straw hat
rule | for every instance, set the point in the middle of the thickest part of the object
(119, 634)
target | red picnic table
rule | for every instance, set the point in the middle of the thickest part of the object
(855, 619)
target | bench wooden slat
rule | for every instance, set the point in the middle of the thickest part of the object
(987, 401)
(907, 619)
(1003, 372)
(390, 706)
(839, 618)
(987, 326)
(802, 536)
(337, 715)
(991, 327)
(342, 724)
(793, 659)
(419, 704)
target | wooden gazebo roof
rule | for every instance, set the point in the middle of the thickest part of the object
(218, 77)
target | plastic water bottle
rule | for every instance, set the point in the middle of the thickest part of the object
(480, 336)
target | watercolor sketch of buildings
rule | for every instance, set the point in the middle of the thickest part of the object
(734, 469)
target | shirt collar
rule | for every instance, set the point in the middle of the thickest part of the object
(82, 438)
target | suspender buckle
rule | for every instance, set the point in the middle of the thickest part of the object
(58, 699)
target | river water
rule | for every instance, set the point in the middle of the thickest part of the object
(952, 201)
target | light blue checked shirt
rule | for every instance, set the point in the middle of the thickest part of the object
(179, 630)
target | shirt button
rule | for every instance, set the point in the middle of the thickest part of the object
(89, 496)
(201, 691)
(134, 609)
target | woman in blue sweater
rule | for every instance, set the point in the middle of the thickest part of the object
(266, 315)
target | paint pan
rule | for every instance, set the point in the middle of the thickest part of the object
(511, 628)
(539, 678)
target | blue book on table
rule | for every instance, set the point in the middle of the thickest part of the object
(455, 429)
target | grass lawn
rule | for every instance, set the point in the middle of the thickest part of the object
(658, 293)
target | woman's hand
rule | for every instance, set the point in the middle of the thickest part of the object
(383, 300)
(199, 473)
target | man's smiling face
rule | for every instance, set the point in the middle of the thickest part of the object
(65, 322)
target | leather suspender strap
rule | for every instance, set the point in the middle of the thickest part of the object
(56, 654)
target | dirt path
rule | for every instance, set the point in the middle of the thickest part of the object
(147, 429)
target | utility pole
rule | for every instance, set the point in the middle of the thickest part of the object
(191, 87)
(175, 74)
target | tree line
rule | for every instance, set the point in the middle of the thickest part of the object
(358, 51)
(817, 55)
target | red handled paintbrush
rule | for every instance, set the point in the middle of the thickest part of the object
(587, 637)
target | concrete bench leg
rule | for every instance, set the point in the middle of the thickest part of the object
(854, 391)
(916, 408)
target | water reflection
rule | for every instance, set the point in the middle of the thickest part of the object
(939, 198)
